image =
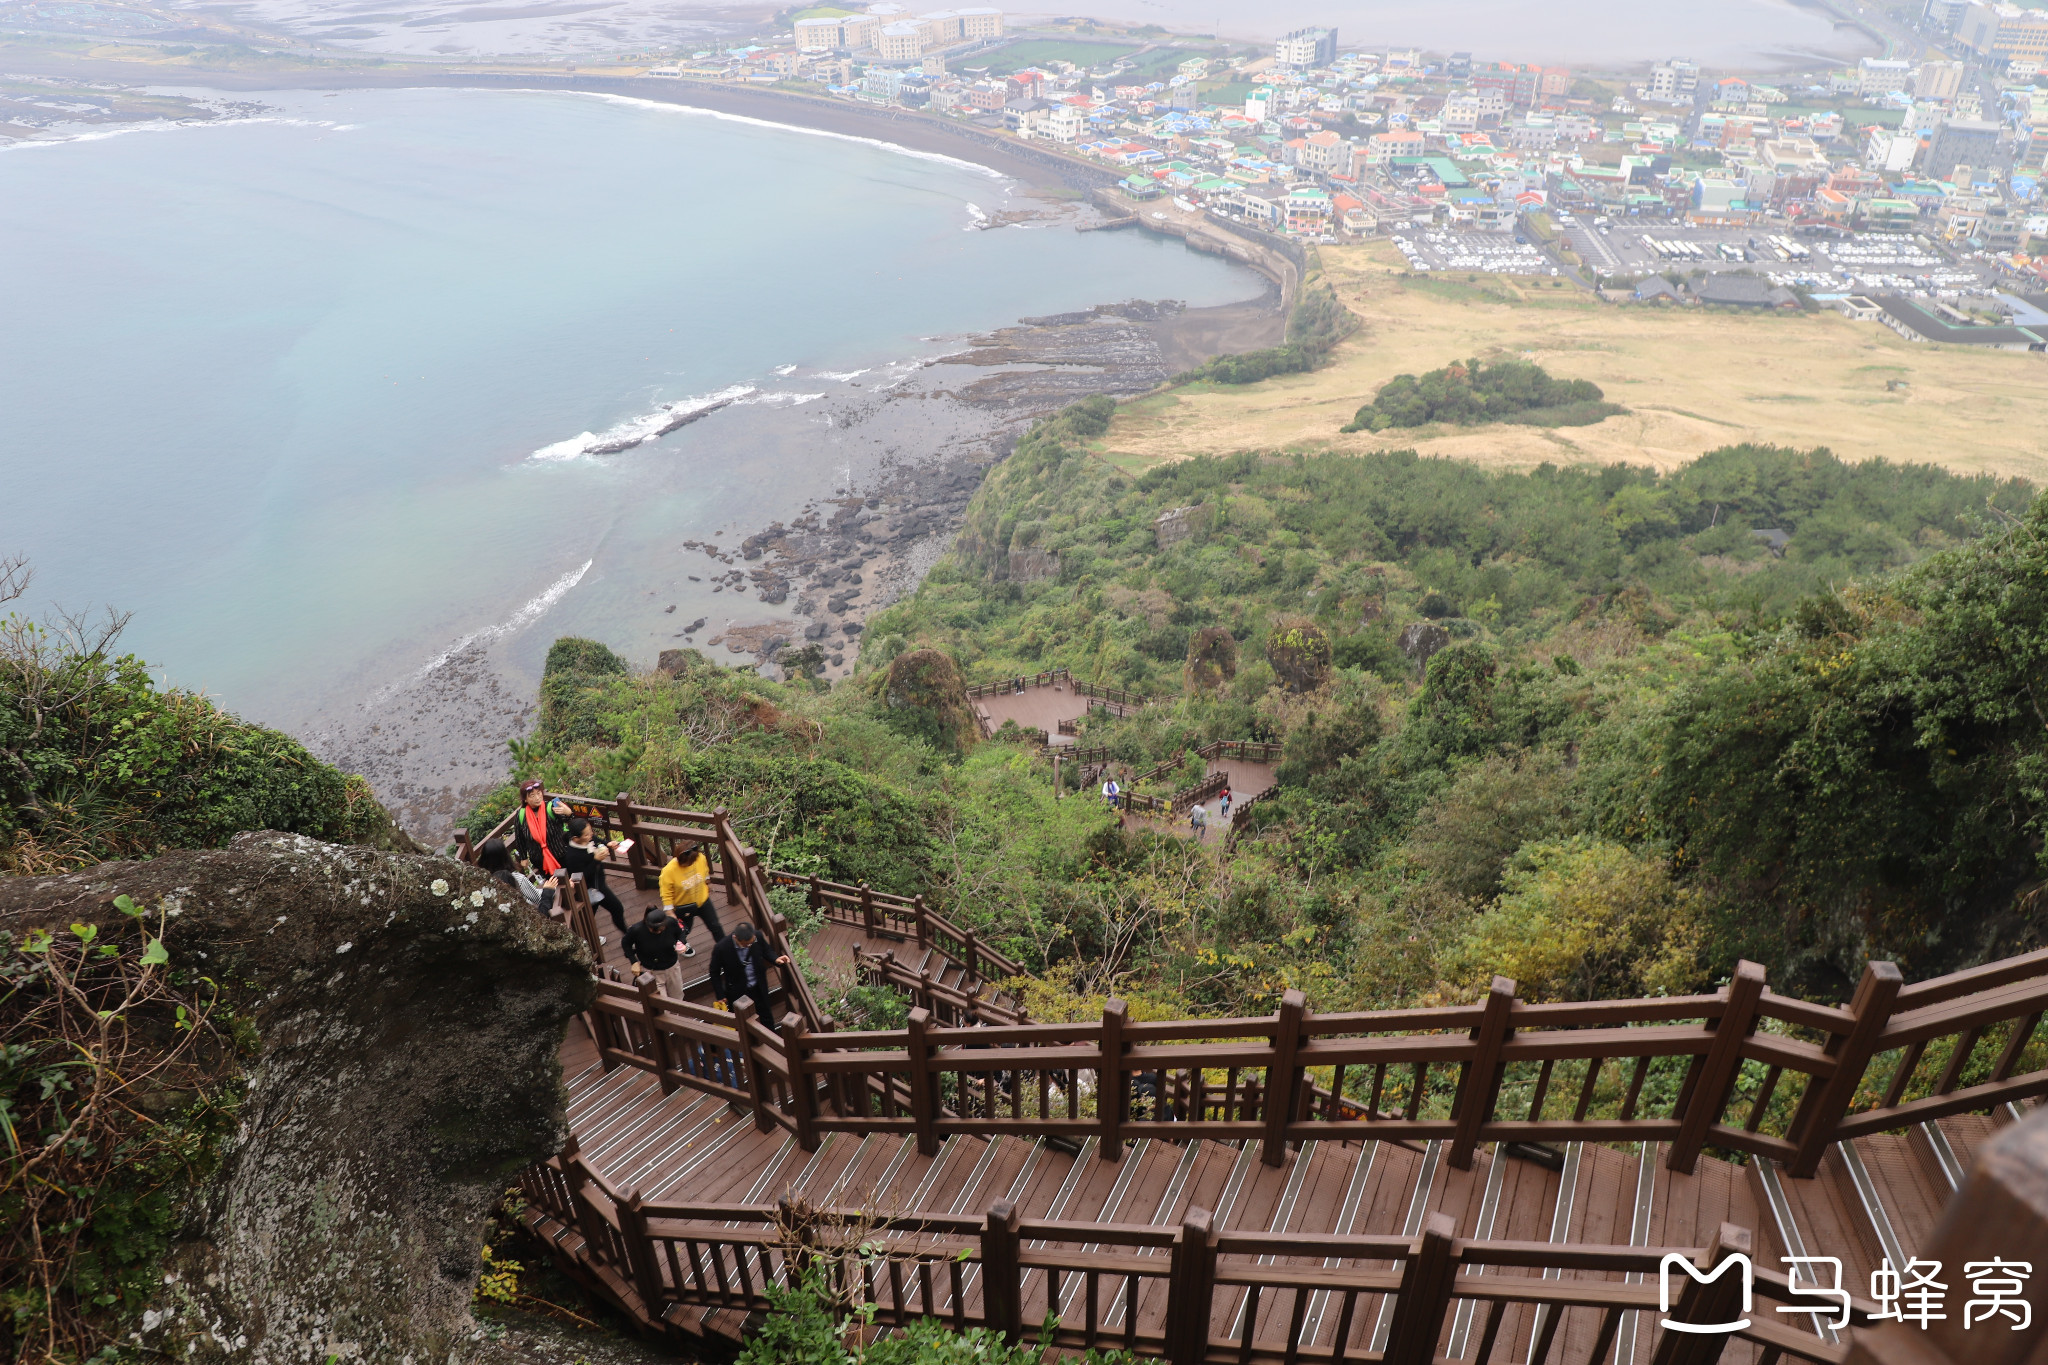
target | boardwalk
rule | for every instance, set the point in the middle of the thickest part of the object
(1498, 1182)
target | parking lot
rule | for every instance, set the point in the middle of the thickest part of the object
(1495, 253)
(1900, 262)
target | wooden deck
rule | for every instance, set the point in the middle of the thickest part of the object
(695, 1148)
(1488, 1183)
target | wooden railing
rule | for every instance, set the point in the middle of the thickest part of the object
(1161, 1291)
(1116, 699)
(1242, 751)
(1009, 686)
(879, 915)
(952, 1006)
(1687, 1071)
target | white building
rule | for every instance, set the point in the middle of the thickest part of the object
(1888, 152)
(902, 41)
(1876, 76)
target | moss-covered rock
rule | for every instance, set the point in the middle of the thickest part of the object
(1212, 658)
(928, 697)
(1299, 651)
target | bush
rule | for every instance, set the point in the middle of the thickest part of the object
(1506, 391)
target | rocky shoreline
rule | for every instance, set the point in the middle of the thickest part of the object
(852, 554)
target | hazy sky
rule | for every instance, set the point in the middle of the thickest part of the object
(1748, 34)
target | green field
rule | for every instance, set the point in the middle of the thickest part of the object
(1037, 51)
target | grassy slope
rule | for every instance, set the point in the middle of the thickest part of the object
(1693, 380)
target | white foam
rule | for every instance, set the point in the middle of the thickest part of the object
(169, 126)
(519, 620)
(785, 370)
(724, 117)
(645, 427)
(847, 378)
(794, 400)
(980, 218)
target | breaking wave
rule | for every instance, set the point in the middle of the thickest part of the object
(519, 620)
(634, 430)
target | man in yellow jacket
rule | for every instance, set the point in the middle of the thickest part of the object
(686, 892)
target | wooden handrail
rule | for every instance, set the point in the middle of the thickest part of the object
(654, 1257)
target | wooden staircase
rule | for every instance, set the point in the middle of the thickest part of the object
(1486, 1183)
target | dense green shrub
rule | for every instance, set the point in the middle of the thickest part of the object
(98, 762)
(1505, 391)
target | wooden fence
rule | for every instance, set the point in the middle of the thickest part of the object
(1242, 751)
(1160, 1291)
(881, 916)
(1049, 678)
(952, 1006)
(1687, 1071)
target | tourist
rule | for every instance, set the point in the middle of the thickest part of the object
(651, 948)
(1111, 792)
(538, 834)
(584, 856)
(739, 968)
(496, 859)
(1223, 810)
(1198, 821)
(686, 892)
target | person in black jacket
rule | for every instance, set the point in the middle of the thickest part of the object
(739, 967)
(540, 831)
(583, 854)
(651, 946)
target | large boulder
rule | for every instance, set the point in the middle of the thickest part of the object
(929, 698)
(1299, 651)
(1212, 658)
(400, 1017)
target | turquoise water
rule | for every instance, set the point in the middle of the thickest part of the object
(308, 395)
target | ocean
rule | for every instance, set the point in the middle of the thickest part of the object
(325, 396)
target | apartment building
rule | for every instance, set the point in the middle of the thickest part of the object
(2006, 31)
(1937, 80)
(1307, 49)
(1877, 76)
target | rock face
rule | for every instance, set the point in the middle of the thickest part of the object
(1421, 640)
(406, 1072)
(1212, 658)
(1177, 524)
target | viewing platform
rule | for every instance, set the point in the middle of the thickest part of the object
(1495, 1182)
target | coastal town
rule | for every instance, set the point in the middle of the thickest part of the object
(1904, 191)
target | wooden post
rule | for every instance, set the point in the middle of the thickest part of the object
(1190, 1289)
(1055, 779)
(2000, 1213)
(835, 1083)
(721, 823)
(1474, 1105)
(815, 897)
(757, 1084)
(657, 1038)
(973, 953)
(803, 1092)
(588, 1221)
(462, 849)
(1823, 1105)
(923, 929)
(1002, 1279)
(1283, 1077)
(867, 910)
(923, 1104)
(1723, 1064)
(1718, 1300)
(1111, 1096)
(640, 1255)
(645, 878)
(1426, 1281)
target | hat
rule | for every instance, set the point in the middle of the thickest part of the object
(657, 914)
(744, 932)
